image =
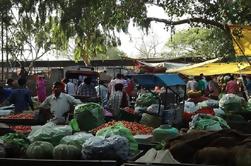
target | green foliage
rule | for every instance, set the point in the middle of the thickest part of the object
(200, 42)
(111, 53)
(92, 23)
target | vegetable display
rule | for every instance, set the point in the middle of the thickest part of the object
(21, 129)
(77, 139)
(87, 116)
(120, 129)
(50, 133)
(40, 150)
(134, 127)
(19, 116)
(146, 99)
(15, 144)
(66, 152)
(231, 102)
(108, 148)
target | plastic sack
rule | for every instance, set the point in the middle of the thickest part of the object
(146, 99)
(119, 129)
(50, 133)
(77, 139)
(231, 102)
(219, 112)
(150, 120)
(208, 122)
(87, 116)
(189, 107)
(164, 132)
(155, 109)
(111, 148)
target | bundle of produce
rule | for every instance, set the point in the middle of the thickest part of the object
(21, 129)
(231, 102)
(40, 150)
(120, 129)
(19, 116)
(146, 99)
(134, 127)
(87, 116)
(150, 120)
(155, 109)
(207, 103)
(66, 152)
(77, 139)
(187, 116)
(15, 144)
(208, 122)
(50, 133)
(248, 106)
(113, 147)
(164, 132)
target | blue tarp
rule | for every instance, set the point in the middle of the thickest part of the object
(152, 80)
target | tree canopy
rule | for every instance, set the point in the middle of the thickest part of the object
(91, 24)
(200, 42)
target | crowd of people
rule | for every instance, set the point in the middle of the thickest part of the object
(214, 86)
(114, 94)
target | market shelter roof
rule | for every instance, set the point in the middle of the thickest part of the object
(177, 70)
(152, 80)
(246, 70)
(216, 69)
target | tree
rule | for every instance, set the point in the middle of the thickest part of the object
(92, 23)
(148, 47)
(111, 53)
(200, 42)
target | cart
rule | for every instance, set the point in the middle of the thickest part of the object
(172, 98)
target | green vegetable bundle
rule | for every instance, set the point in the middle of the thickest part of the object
(87, 116)
(15, 144)
(146, 99)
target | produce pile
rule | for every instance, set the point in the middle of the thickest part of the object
(21, 129)
(134, 127)
(57, 142)
(19, 116)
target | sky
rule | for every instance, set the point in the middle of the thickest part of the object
(131, 42)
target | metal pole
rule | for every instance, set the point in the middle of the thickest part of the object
(2, 48)
(7, 51)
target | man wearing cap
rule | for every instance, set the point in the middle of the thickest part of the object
(59, 103)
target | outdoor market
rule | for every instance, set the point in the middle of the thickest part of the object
(190, 106)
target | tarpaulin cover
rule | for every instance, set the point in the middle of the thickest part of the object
(215, 69)
(241, 39)
(152, 80)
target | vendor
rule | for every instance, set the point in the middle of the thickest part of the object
(59, 103)
(20, 97)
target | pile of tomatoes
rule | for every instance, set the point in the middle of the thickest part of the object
(21, 129)
(134, 127)
(20, 116)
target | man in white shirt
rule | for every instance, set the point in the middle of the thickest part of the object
(59, 103)
(118, 80)
(102, 92)
(70, 88)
